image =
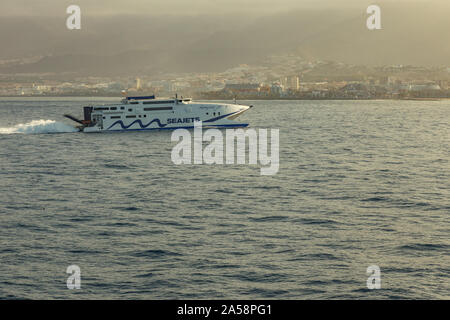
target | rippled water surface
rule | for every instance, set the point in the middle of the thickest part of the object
(360, 183)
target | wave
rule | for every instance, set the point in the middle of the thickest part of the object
(39, 126)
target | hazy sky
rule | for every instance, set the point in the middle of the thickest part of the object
(227, 32)
(94, 7)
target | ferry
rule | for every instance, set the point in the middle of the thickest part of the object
(151, 113)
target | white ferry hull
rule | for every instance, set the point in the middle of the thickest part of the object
(153, 114)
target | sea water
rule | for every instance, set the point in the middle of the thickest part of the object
(360, 183)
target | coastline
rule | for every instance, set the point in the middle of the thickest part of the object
(241, 99)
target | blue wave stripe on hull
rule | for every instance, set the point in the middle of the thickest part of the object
(237, 125)
(144, 126)
(138, 122)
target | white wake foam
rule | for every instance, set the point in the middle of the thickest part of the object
(39, 126)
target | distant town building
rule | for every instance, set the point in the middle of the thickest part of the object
(423, 87)
(242, 87)
(138, 84)
(277, 89)
(291, 82)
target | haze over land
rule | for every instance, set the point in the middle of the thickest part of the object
(119, 37)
